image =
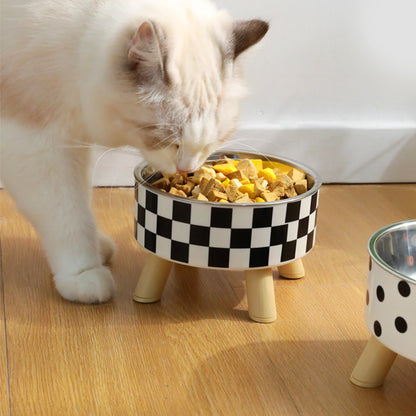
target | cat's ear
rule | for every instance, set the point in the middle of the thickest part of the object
(246, 33)
(146, 50)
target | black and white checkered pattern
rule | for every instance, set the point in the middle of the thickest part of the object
(216, 235)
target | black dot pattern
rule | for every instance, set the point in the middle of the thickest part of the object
(404, 288)
(377, 328)
(380, 293)
(400, 324)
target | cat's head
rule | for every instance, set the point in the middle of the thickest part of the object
(183, 86)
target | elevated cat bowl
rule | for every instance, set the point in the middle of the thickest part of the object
(390, 312)
(251, 236)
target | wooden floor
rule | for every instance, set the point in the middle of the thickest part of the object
(196, 352)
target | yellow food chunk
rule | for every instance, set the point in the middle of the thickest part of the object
(177, 192)
(225, 168)
(162, 183)
(232, 161)
(258, 163)
(238, 174)
(301, 186)
(201, 197)
(281, 166)
(236, 183)
(203, 171)
(268, 174)
(240, 181)
(248, 189)
(296, 175)
(269, 196)
(203, 184)
(232, 192)
(220, 176)
(216, 195)
(290, 192)
(226, 182)
(213, 184)
(243, 199)
(260, 186)
(247, 167)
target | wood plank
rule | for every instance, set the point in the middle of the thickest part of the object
(315, 346)
(4, 393)
(125, 358)
(320, 332)
(196, 352)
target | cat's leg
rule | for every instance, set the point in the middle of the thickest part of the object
(105, 243)
(107, 247)
(50, 186)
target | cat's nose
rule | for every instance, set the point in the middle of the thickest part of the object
(184, 166)
(182, 171)
(187, 161)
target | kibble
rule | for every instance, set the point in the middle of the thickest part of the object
(237, 181)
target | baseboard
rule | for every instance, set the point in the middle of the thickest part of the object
(346, 154)
(338, 154)
(343, 154)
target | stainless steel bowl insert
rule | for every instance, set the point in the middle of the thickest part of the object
(394, 248)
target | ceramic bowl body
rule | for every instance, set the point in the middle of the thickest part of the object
(391, 287)
(220, 235)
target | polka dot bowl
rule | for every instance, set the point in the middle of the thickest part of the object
(226, 236)
(391, 288)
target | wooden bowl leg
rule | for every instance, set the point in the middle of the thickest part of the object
(152, 279)
(373, 365)
(293, 270)
(260, 295)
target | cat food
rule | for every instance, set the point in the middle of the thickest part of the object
(237, 181)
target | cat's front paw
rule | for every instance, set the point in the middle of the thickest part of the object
(107, 248)
(91, 286)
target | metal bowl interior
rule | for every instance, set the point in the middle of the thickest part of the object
(394, 249)
(145, 175)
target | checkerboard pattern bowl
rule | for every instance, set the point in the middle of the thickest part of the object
(391, 288)
(219, 235)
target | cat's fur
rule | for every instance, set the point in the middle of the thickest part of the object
(160, 75)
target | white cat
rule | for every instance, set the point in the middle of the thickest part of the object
(159, 75)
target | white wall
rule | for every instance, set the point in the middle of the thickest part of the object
(333, 85)
(332, 62)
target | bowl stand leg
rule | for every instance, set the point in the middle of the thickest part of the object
(152, 279)
(292, 270)
(260, 295)
(373, 365)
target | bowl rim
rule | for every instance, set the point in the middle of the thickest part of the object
(373, 253)
(250, 155)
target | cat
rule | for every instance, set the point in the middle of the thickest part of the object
(162, 76)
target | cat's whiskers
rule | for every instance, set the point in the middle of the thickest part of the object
(163, 125)
(153, 175)
(85, 145)
(164, 140)
(117, 172)
(248, 146)
(80, 144)
(245, 139)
